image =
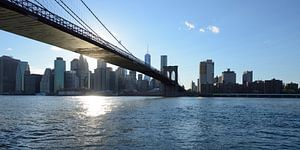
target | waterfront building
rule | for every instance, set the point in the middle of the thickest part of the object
(59, 71)
(140, 77)
(228, 77)
(113, 82)
(142, 85)
(71, 80)
(163, 62)
(291, 88)
(47, 82)
(75, 65)
(132, 75)
(131, 81)
(100, 79)
(32, 83)
(147, 62)
(193, 87)
(206, 76)
(22, 71)
(273, 86)
(247, 77)
(8, 69)
(120, 77)
(257, 87)
(101, 76)
(83, 73)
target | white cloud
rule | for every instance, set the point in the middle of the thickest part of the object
(213, 29)
(189, 25)
(201, 30)
(54, 48)
(9, 49)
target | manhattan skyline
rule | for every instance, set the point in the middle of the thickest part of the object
(258, 36)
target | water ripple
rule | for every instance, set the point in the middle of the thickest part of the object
(92, 122)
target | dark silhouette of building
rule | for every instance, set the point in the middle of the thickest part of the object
(32, 83)
(273, 86)
(247, 77)
(120, 77)
(8, 69)
(47, 82)
(71, 80)
(291, 88)
(257, 87)
(22, 71)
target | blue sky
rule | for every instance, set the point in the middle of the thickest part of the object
(258, 35)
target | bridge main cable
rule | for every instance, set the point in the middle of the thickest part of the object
(71, 14)
(78, 17)
(105, 27)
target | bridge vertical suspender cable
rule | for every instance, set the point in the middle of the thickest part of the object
(71, 15)
(105, 27)
(78, 17)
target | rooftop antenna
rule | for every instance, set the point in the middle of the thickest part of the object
(147, 48)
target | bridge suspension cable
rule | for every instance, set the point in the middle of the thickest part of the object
(78, 17)
(71, 14)
(105, 27)
(40, 4)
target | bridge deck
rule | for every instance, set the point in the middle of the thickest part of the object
(20, 21)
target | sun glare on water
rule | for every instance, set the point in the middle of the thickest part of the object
(95, 105)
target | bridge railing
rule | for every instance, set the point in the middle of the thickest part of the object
(45, 13)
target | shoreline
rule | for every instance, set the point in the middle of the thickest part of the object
(237, 95)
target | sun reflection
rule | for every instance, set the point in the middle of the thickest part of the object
(95, 105)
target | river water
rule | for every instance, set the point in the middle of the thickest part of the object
(95, 122)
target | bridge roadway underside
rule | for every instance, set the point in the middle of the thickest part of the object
(20, 23)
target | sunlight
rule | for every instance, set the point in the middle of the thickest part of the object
(95, 105)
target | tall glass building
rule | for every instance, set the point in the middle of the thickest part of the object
(206, 77)
(163, 61)
(8, 68)
(147, 62)
(59, 70)
(22, 70)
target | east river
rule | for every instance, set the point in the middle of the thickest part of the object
(95, 122)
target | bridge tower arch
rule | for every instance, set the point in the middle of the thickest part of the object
(172, 73)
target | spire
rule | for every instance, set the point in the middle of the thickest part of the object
(147, 48)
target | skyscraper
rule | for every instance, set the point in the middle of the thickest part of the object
(105, 79)
(74, 64)
(193, 87)
(228, 77)
(8, 69)
(22, 70)
(120, 77)
(59, 71)
(247, 77)
(132, 75)
(46, 84)
(131, 81)
(83, 73)
(32, 83)
(147, 62)
(71, 80)
(163, 61)
(101, 63)
(206, 76)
